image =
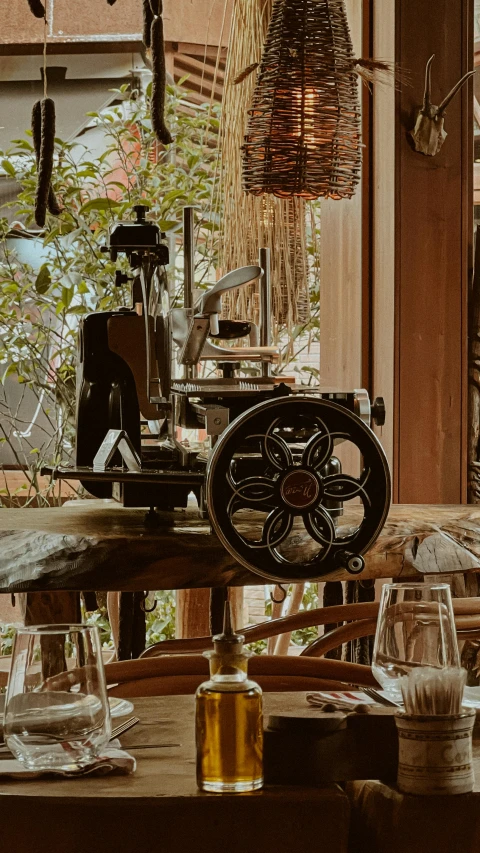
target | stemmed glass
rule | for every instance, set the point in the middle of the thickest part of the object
(56, 708)
(415, 627)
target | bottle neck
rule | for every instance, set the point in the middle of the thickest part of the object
(225, 667)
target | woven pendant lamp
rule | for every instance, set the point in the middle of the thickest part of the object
(303, 132)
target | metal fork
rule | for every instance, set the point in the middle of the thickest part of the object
(124, 727)
(377, 697)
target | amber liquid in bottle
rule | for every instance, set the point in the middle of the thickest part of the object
(229, 723)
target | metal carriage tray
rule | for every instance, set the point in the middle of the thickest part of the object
(116, 475)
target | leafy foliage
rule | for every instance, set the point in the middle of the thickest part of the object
(160, 623)
(40, 308)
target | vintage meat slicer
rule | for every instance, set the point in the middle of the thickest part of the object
(268, 472)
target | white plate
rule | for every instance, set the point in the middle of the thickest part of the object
(471, 697)
(119, 707)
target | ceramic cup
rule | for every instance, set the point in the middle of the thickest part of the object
(435, 753)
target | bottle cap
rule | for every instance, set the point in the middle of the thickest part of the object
(228, 643)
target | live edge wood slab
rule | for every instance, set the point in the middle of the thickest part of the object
(99, 545)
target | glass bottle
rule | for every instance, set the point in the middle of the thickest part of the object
(229, 724)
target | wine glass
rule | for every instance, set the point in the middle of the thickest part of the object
(56, 708)
(415, 627)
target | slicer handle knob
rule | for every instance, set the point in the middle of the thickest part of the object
(121, 278)
(353, 563)
(140, 211)
(378, 411)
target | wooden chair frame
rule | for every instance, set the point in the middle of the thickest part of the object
(183, 674)
(360, 619)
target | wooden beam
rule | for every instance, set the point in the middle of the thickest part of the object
(209, 51)
(199, 67)
(204, 22)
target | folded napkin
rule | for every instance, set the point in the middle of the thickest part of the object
(326, 703)
(113, 760)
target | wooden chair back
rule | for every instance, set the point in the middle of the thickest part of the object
(183, 673)
(360, 619)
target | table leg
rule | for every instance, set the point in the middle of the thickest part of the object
(192, 613)
(50, 608)
(131, 628)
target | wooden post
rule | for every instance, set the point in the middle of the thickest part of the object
(379, 293)
(192, 613)
(341, 265)
(434, 235)
(50, 608)
(131, 625)
(197, 608)
(236, 595)
(474, 382)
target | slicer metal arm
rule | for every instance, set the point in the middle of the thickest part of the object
(211, 302)
(212, 352)
(191, 327)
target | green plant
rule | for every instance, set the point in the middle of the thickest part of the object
(160, 623)
(40, 307)
(7, 635)
(304, 636)
(256, 648)
(100, 619)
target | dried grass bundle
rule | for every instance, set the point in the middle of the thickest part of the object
(303, 134)
(37, 8)
(147, 23)
(43, 132)
(249, 222)
(383, 72)
(48, 113)
(159, 78)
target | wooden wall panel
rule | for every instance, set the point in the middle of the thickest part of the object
(341, 274)
(382, 189)
(433, 239)
(340, 294)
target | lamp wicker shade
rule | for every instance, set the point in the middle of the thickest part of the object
(303, 132)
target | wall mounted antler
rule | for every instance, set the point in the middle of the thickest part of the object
(428, 133)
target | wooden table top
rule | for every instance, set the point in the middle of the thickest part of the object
(166, 772)
(100, 545)
(161, 806)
